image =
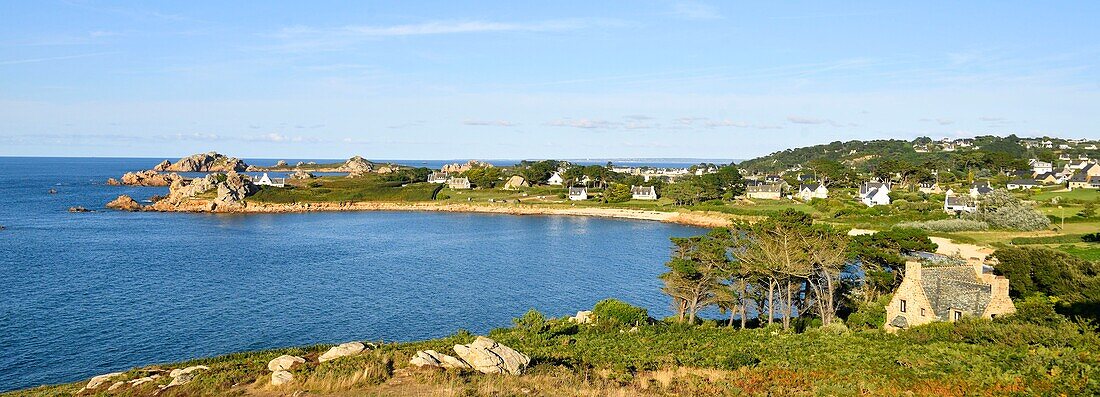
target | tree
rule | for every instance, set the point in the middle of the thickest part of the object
(1088, 211)
(1001, 209)
(881, 256)
(694, 272)
(483, 177)
(617, 193)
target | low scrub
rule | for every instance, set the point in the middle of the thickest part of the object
(947, 225)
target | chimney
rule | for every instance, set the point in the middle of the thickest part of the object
(913, 270)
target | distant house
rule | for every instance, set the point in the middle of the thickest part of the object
(1023, 184)
(929, 188)
(947, 292)
(953, 204)
(773, 179)
(555, 179)
(578, 193)
(515, 182)
(765, 191)
(458, 183)
(811, 191)
(1064, 157)
(1041, 167)
(978, 189)
(643, 192)
(438, 177)
(265, 180)
(874, 193)
(803, 178)
(1048, 178)
(1087, 178)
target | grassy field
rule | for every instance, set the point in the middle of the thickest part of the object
(976, 357)
(341, 189)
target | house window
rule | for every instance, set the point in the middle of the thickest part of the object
(903, 305)
(958, 315)
(922, 312)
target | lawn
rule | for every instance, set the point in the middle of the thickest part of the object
(342, 189)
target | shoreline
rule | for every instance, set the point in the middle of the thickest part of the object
(687, 218)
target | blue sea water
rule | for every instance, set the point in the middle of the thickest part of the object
(83, 294)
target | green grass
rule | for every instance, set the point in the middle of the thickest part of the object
(341, 189)
(1078, 194)
(1085, 251)
(974, 356)
(1056, 239)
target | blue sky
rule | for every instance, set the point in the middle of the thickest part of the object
(557, 79)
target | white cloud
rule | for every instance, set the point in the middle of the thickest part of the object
(582, 123)
(497, 123)
(818, 121)
(695, 10)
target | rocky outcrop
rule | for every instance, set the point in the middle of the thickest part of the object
(100, 380)
(460, 168)
(163, 166)
(148, 178)
(113, 182)
(342, 350)
(124, 203)
(233, 190)
(583, 317)
(489, 357)
(432, 358)
(284, 362)
(279, 378)
(299, 174)
(357, 164)
(206, 162)
(79, 209)
(280, 164)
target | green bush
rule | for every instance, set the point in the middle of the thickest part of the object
(946, 225)
(1091, 238)
(869, 315)
(616, 313)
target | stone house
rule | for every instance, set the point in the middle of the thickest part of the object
(458, 183)
(438, 177)
(947, 290)
(643, 192)
(766, 191)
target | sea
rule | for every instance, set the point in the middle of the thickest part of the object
(87, 293)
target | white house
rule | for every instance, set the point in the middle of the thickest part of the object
(643, 192)
(874, 193)
(1041, 167)
(1023, 184)
(458, 183)
(578, 193)
(953, 204)
(437, 177)
(811, 191)
(555, 179)
(265, 180)
(929, 188)
(765, 191)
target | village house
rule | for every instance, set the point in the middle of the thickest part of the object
(1041, 167)
(773, 179)
(1049, 178)
(643, 192)
(811, 191)
(578, 193)
(953, 204)
(1023, 184)
(874, 193)
(555, 179)
(764, 191)
(437, 177)
(1087, 178)
(929, 188)
(265, 180)
(978, 189)
(458, 183)
(947, 290)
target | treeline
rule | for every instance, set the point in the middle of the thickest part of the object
(783, 267)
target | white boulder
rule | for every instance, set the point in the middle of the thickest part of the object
(284, 362)
(342, 350)
(279, 378)
(100, 380)
(490, 357)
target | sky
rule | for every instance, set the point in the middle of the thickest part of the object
(554, 79)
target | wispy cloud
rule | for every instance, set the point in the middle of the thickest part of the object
(695, 10)
(496, 123)
(323, 38)
(818, 121)
(939, 121)
(582, 123)
(50, 59)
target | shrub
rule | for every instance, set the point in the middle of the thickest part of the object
(617, 193)
(616, 313)
(834, 328)
(946, 225)
(1001, 209)
(1036, 309)
(869, 315)
(532, 321)
(1091, 238)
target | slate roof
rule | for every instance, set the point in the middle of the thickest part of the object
(955, 288)
(956, 201)
(868, 188)
(810, 186)
(576, 191)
